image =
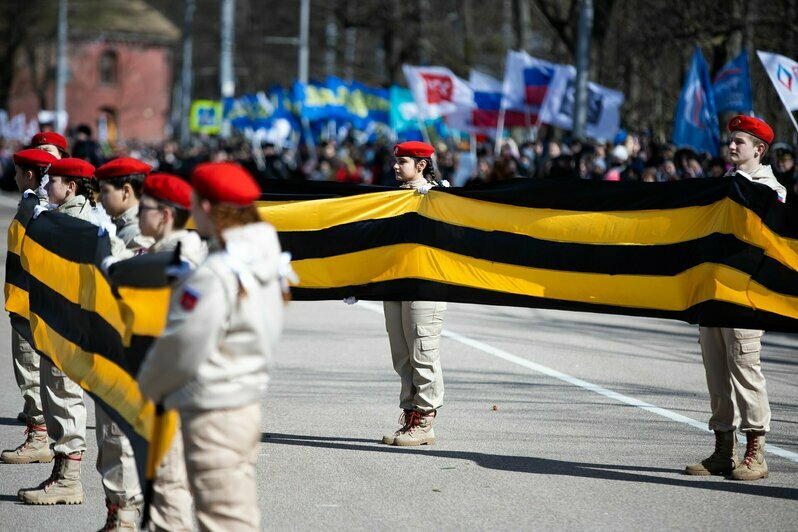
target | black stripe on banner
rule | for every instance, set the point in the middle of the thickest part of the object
(25, 209)
(597, 196)
(15, 273)
(70, 238)
(520, 250)
(136, 352)
(86, 329)
(709, 313)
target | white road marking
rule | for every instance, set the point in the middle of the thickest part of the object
(539, 368)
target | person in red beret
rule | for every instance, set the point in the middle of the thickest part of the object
(414, 327)
(72, 186)
(163, 211)
(413, 167)
(212, 361)
(120, 182)
(749, 141)
(31, 168)
(69, 189)
(51, 142)
(732, 356)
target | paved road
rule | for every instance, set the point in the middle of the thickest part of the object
(553, 420)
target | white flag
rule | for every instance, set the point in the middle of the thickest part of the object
(17, 128)
(603, 105)
(783, 73)
(33, 128)
(437, 90)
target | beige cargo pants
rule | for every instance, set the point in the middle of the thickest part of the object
(116, 463)
(414, 332)
(734, 375)
(26, 373)
(64, 409)
(221, 448)
(171, 507)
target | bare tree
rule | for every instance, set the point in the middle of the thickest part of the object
(16, 17)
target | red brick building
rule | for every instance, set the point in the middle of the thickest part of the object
(120, 71)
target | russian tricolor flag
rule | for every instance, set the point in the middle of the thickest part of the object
(526, 82)
(488, 101)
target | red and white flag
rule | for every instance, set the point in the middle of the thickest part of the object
(437, 91)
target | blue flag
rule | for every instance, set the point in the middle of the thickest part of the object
(732, 86)
(696, 122)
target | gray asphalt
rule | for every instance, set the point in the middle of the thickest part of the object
(553, 420)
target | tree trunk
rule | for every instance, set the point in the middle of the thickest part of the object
(468, 32)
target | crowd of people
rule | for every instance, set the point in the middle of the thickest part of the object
(629, 157)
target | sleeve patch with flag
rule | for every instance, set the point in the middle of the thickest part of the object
(189, 298)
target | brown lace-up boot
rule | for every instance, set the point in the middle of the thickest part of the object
(753, 466)
(42, 484)
(722, 461)
(35, 448)
(419, 430)
(120, 518)
(388, 439)
(63, 486)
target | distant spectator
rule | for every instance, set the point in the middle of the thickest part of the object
(649, 175)
(783, 160)
(86, 148)
(667, 171)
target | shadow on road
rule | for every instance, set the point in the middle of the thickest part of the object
(543, 466)
(11, 421)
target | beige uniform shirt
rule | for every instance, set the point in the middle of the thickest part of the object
(127, 229)
(223, 323)
(192, 249)
(764, 176)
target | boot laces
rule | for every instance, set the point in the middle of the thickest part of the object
(751, 447)
(110, 520)
(414, 421)
(28, 438)
(406, 419)
(57, 464)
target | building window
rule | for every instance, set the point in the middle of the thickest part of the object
(108, 67)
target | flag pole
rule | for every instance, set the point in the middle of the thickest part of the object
(499, 129)
(425, 135)
(789, 113)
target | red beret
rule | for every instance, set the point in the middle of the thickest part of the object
(123, 166)
(752, 126)
(34, 157)
(49, 137)
(169, 188)
(413, 149)
(72, 167)
(225, 183)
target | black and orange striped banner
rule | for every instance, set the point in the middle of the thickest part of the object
(720, 252)
(61, 302)
(710, 251)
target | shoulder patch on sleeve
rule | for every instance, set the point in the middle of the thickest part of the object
(189, 298)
